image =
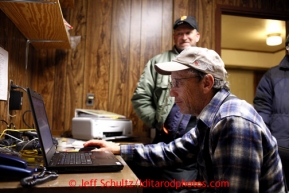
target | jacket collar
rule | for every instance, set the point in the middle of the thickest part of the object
(285, 62)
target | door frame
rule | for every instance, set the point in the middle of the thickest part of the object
(245, 12)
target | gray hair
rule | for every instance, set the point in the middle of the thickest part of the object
(218, 83)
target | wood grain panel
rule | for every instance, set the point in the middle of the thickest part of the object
(134, 67)
(43, 80)
(16, 55)
(151, 29)
(97, 51)
(180, 8)
(205, 17)
(151, 33)
(167, 26)
(74, 76)
(66, 3)
(47, 16)
(118, 97)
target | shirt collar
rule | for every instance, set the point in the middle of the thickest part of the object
(208, 114)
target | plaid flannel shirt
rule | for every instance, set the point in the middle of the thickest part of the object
(240, 147)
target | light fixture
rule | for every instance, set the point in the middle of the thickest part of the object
(274, 39)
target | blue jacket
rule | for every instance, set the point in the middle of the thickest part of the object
(272, 101)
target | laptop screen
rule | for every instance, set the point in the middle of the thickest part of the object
(42, 124)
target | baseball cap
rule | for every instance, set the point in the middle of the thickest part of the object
(201, 59)
(186, 19)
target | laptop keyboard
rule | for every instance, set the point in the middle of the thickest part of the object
(74, 158)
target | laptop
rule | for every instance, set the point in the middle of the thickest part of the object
(67, 162)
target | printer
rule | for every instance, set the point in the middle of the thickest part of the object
(99, 124)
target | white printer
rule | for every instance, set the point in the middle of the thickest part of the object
(99, 124)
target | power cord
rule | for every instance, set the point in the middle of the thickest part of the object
(14, 86)
(23, 119)
(7, 125)
(44, 176)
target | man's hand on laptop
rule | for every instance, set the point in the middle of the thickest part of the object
(103, 145)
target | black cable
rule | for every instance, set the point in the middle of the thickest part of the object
(14, 86)
(44, 176)
(7, 125)
(23, 119)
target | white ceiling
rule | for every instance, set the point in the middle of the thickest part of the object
(245, 33)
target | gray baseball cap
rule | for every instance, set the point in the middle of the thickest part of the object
(201, 59)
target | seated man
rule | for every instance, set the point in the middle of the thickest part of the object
(234, 149)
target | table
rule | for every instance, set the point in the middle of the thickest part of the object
(124, 181)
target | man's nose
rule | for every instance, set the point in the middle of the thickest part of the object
(173, 93)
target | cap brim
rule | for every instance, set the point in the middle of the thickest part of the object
(167, 68)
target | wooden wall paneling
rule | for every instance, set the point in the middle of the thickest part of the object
(118, 97)
(14, 42)
(180, 8)
(74, 76)
(97, 52)
(6, 27)
(134, 65)
(32, 58)
(151, 35)
(206, 19)
(17, 71)
(43, 80)
(151, 26)
(60, 111)
(167, 26)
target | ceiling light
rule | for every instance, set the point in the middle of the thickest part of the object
(274, 39)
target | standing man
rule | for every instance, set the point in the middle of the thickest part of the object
(234, 149)
(271, 99)
(154, 106)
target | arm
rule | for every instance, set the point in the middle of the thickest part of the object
(181, 151)
(263, 98)
(151, 100)
(142, 99)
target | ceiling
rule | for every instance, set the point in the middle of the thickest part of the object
(245, 33)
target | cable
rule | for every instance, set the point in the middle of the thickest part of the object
(10, 126)
(13, 137)
(31, 141)
(14, 86)
(9, 151)
(17, 130)
(44, 176)
(23, 119)
(7, 125)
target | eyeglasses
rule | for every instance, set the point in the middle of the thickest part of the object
(176, 82)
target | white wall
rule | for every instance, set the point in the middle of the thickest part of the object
(251, 60)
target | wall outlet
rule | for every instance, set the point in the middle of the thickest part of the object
(89, 99)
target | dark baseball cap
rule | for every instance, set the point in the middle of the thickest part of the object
(186, 19)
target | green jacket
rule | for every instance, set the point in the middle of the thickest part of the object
(151, 99)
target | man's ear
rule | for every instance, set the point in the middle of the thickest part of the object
(208, 83)
(198, 37)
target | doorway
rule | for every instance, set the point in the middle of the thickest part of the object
(243, 48)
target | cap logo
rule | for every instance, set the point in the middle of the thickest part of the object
(183, 18)
(202, 65)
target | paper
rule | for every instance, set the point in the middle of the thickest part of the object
(3, 74)
(97, 114)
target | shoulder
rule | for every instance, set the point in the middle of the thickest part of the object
(164, 57)
(241, 110)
